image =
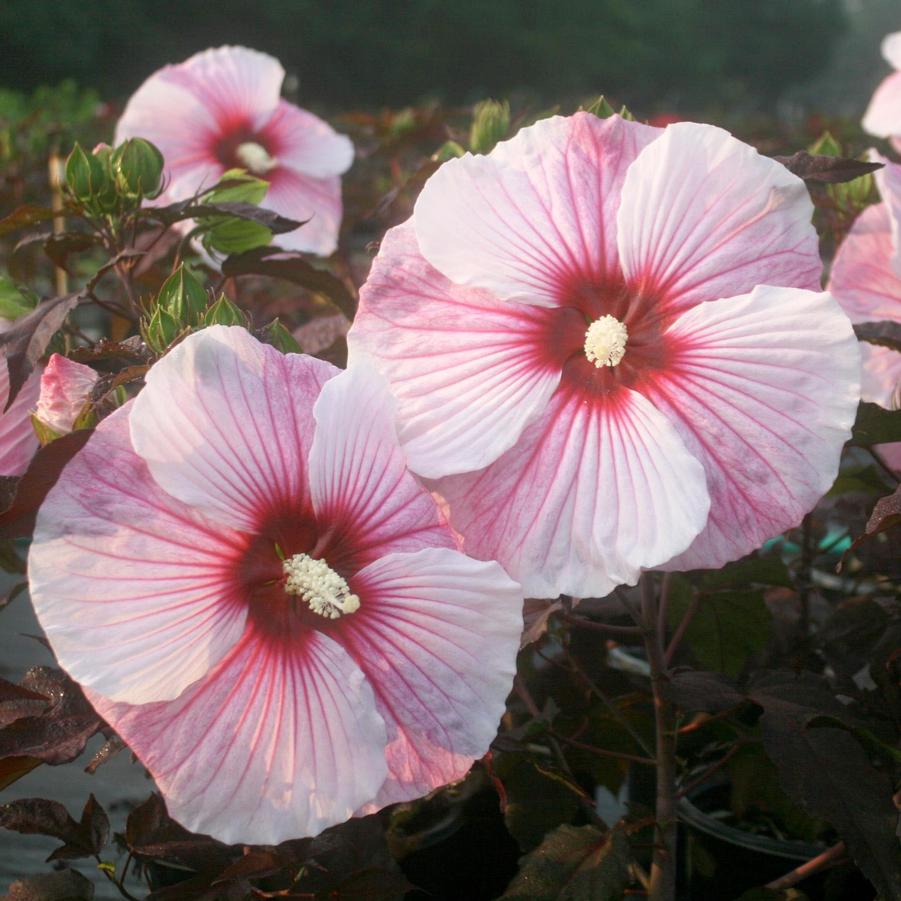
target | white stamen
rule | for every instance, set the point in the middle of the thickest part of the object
(319, 585)
(255, 158)
(605, 341)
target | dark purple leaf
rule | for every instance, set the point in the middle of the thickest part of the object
(698, 691)
(292, 267)
(875, 425)
(65, 885)
(23, 216)
(58, 247)
(886, 334)
(17, 702)
(109, 749)
(886, 515)
(192, 209)
(57, 733)
(42, 474)
(826, 169)
(25, 342)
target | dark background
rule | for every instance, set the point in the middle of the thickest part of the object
(658, 55)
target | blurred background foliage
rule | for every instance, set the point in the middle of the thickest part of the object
(676, 56)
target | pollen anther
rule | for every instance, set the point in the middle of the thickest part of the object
(316, 583)
(255, 158)
(605, 341)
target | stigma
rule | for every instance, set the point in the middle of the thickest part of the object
(255, 158)
(316, 583)
(605, 341)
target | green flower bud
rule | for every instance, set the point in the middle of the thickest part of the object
(447, 151)
(85, 174)
(490, 124)
(601, 108)
(278, 336)
(162, 329)
(224, 312)
(138, 167)
(183, 297)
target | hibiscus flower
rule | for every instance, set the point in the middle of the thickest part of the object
(18, 441)
(221, 110)
(866, 281)
(609, 352)
(263, 602)
(66, 388)
(883, 115)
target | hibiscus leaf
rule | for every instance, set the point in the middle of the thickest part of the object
(24, 343)
(193, 209)
(57, 732)
(43, 471)
(829, 773)
(292, 267)
(23, 216)
(885, 334)
(876, 425)
(65, 885)
(574, 864)
(726, 629)
(826, 169)
(886, 515)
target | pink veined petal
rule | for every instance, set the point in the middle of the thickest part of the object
(764, 389)
(704, 216)
(276, 743)
(305, 143)
(437, 635)
(888, 180)
(880, 380)
(467, 369)
(883, 115)
(863, 279)
(359, 481)
(18, 441)
(591, 494)
(304, 197)
(224, 424)
(132, 588)
(65, 389)
(538, 210)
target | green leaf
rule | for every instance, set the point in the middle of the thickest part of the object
(232, 236)
(237, 186)
(726, 629)
(876, 425)
(574, 864)
(13, 302)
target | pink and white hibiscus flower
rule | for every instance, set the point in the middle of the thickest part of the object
(608, 350)
(883, 115)
(263, 602)
(65, 390)
(866, 281)
(221, 110)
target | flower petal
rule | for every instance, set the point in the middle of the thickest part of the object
(704, 216)
(359, 481)
(468, 371)
(277, 743)
(18, 441)
(65, 389)
(764, 389)
(535, 212)
(437, 635)
(863, 279)
(591, 494)
(224, 424)
(880, 380)
(891, 49)
(303, 197)
(883, 115)
(132, 588)
(305, 143)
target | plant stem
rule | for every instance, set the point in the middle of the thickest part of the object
(829, 857)
(663, 866)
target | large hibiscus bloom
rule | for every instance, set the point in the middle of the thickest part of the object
(220, 110)
(263, 602)
(866, 281)
(883, 115)
(606, 351)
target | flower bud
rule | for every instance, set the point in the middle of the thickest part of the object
(224, 312)
(66, 388)
(138, 167)
(278, 336)
(183, 297)
(85, 175)
(162, 330)
(490, 123)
